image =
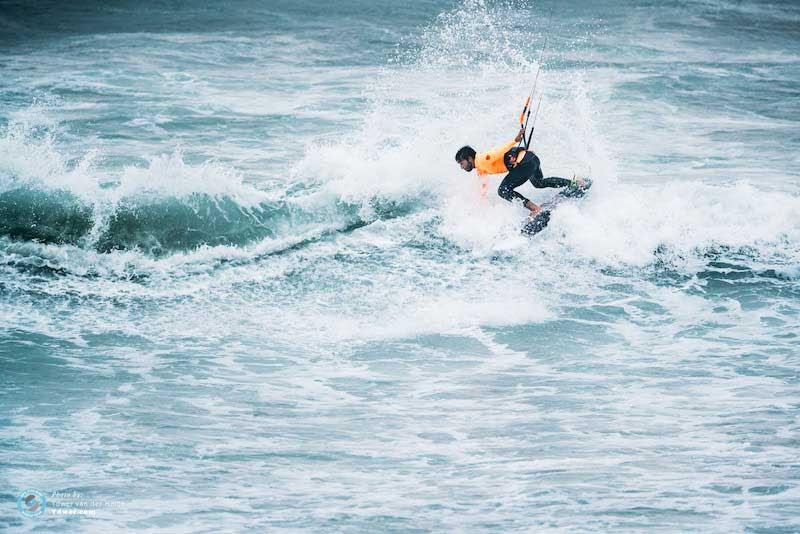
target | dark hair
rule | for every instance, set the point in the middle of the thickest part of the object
(465, 152)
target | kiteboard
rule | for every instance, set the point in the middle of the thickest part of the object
(534, 225)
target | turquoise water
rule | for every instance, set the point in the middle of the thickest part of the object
(244, 286)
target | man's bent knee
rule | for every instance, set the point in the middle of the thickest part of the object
(505, 192)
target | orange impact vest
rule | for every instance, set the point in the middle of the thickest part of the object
(491, 162)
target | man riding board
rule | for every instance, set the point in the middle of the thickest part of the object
(520, 164)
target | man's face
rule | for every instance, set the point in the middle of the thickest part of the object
(467, 164)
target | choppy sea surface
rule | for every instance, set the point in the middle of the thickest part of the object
(245, 287)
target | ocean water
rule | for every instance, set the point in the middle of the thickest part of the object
(245, 287)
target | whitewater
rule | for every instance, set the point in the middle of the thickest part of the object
(244, 286)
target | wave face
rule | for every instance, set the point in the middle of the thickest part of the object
(235, 236)
(156, 226)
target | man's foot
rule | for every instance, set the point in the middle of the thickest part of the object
(534, 209)
(577, 187)
(578, 183)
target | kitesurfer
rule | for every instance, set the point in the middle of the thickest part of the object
(521, 165)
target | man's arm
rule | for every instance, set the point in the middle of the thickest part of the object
(501, 150)
(497, 153)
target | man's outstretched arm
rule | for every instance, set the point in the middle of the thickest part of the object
(496, 154)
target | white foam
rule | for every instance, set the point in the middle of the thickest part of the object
(427, 105)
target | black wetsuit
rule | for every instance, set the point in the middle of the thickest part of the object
(527, 169)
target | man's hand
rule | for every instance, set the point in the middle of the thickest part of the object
(520, 136)
(535, 210)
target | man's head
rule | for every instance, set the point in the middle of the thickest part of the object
(466, 158)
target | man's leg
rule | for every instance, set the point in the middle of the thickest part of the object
(539, 181)
(513, 179)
